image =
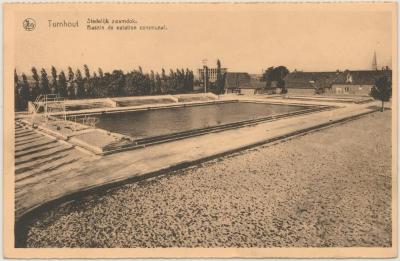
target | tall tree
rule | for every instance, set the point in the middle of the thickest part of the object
(101, 74)
(79, 90)
(98, 86)
(16, 79)
(62, 85)
(34, 91)
(24, 92)
(172, 81)
(220, 79)
(146, 84)
(158, 84)
(164, 81)
(87, 72)
(206, 79)
(152, 82)
(44, 82)
(382, 90)
(17, 100)
(191, 81)
(54, 86)
(71, 74)
(86, 84)
(71, 83)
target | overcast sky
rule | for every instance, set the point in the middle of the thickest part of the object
(246, 38)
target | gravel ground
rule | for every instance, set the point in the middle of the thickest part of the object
(327, 189)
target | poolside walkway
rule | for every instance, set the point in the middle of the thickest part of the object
(78, 172)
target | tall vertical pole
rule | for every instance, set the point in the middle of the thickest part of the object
(205, 72)
(205, 78)
(374, 62)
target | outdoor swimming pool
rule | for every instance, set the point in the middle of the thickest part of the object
(149, 123)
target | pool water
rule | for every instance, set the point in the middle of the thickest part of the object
(149, 123)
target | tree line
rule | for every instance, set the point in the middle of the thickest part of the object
(97, 84)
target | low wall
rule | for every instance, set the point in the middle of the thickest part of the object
(299, 91)
(144, 100)
(248, 91)
(196, 97)
(89, 104)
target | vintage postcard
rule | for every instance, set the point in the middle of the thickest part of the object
(200, 130)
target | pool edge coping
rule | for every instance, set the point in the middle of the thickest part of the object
(138, 143)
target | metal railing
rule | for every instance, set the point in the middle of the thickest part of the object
(53, 103)
(81, 121)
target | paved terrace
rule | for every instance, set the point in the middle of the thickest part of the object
(49, 169)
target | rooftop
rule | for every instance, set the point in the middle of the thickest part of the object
(304, 80)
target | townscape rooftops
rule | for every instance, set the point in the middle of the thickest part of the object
(362, 77)
(243, 80)
(304, 80)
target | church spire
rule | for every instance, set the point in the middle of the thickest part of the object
(374, 63)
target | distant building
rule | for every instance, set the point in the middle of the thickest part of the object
(212, 74)
(305, 83)
(243, 83)
(357, 82)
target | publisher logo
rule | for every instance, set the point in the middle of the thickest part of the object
(29, 24)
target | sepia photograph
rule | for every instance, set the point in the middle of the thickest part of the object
(200, 130)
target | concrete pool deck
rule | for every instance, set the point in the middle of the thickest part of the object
(57, 180)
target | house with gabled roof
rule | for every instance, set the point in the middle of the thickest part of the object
(357, 82)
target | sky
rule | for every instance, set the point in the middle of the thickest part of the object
(245, 37)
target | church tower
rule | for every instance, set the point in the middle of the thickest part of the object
(374, 63)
